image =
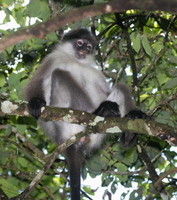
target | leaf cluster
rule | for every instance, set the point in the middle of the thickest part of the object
(135, 47)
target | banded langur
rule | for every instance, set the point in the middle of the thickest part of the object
(67, 78)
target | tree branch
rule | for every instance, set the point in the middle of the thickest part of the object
(152, 172)
(163, 103)
(165, 175)
(42, 29)
(96, 124)
(46, 167)
(124, 28)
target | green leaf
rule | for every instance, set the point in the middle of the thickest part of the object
(21, 128)
(97, 163)
(146, 45)
(158, 46)
(136, 40)
(171, 83)
(2, 79)
(52, 37)
(121, 168)
(14, 79)
(8, 187)
(107, 180)
(4, 155)
(19, 14)
(84, 173)
(172, 59)
(34, 11)
(9, 2)
(114, 187)
(23, 162)
(8, 129)
(130, 156)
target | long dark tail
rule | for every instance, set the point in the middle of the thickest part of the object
(128, 140)
(75, 158)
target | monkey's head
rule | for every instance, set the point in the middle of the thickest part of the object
(82, 40)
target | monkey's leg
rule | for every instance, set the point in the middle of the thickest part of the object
(128, 139)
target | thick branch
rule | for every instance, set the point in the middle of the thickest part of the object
(96, 124)
(42, 29)
(129, 48)
(165, 175)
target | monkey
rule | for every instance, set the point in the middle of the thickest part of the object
(68, 78)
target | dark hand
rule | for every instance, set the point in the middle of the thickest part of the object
(108, 109)
(34, 106)
(137, 114)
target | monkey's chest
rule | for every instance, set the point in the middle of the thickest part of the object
(94, 86)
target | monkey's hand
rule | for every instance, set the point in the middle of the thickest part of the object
(137, 114)
(35, 105)
(108, 109)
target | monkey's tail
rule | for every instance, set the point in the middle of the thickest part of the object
(128, 140)
(75, 158)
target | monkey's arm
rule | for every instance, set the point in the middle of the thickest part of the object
(34, 92)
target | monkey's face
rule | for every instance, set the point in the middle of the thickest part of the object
(82, 48)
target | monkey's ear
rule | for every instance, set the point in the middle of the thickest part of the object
(35, 105)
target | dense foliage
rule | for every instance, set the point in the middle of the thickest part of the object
(135, 47)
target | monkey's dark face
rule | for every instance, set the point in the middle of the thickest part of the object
(82, 48)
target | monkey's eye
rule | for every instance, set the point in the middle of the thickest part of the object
(80, 43)
(89, 47)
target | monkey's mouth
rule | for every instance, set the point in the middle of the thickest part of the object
(82, 54)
